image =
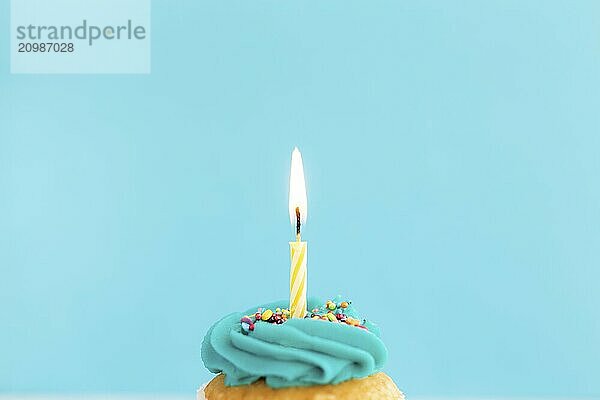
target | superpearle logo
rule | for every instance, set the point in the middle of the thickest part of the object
(70, 36)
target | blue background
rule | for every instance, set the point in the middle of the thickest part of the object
(452, 162)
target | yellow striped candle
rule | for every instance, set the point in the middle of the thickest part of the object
(298, 211)
(298, 279)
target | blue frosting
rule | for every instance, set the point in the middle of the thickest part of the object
(299, 352)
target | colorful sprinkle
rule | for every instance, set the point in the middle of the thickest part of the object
(266, 315)
(245, 328)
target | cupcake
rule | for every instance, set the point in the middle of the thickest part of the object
(332, 353)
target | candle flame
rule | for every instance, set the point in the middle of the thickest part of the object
(297, 197)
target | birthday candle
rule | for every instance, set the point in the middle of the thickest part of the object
(298, 212)
(298, 280)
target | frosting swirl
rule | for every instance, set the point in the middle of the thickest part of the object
(299, 352)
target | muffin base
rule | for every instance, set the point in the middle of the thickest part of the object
(375, 387)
